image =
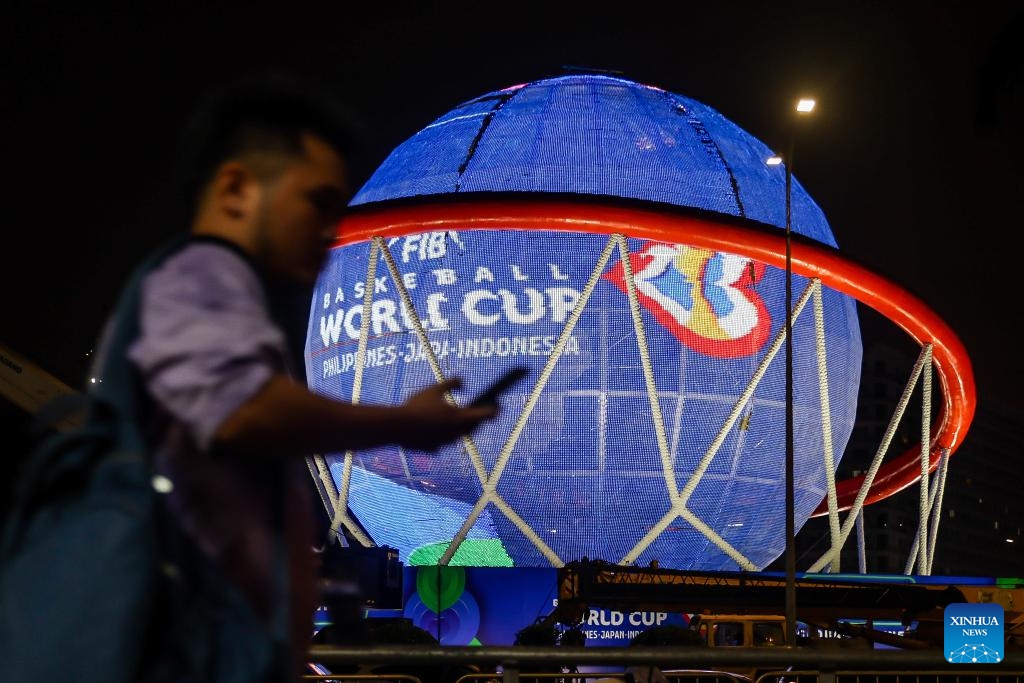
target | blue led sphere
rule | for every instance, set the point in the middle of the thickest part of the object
(653, 431)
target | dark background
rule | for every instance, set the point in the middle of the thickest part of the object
(915, 153)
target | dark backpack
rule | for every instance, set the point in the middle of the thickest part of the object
(97, 582)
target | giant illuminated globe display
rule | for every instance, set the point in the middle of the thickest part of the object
(652, 425)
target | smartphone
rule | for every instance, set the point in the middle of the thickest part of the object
(490, 395)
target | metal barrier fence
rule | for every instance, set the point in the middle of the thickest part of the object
(367, 678)
(964, 675)
(686, 676)
(707, 676)
(513, 664)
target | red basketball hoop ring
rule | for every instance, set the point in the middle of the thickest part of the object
(767, 244)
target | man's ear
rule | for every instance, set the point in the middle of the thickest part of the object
(236, 190)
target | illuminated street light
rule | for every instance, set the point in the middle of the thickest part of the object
(804, 106)
(773, 160)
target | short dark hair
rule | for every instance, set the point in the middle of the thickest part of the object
(267, 112)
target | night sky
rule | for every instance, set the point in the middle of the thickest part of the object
(914, 155)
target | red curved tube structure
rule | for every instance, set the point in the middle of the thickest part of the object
(763, 243)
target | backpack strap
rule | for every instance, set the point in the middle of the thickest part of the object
(107, 414)
(118, 382)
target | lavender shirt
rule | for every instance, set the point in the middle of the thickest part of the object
(207, 345)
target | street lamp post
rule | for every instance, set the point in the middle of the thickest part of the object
(803, 107)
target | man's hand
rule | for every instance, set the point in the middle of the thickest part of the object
(430, 421)
(285, 418)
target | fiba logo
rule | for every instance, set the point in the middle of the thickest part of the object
(973, 633)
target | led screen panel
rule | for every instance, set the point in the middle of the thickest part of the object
(586, 474)
(614, 447)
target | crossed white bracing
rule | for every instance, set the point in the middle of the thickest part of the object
(923, 550)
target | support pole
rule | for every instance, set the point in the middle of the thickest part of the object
(790, 460)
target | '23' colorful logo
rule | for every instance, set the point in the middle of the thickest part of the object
(706, 299)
